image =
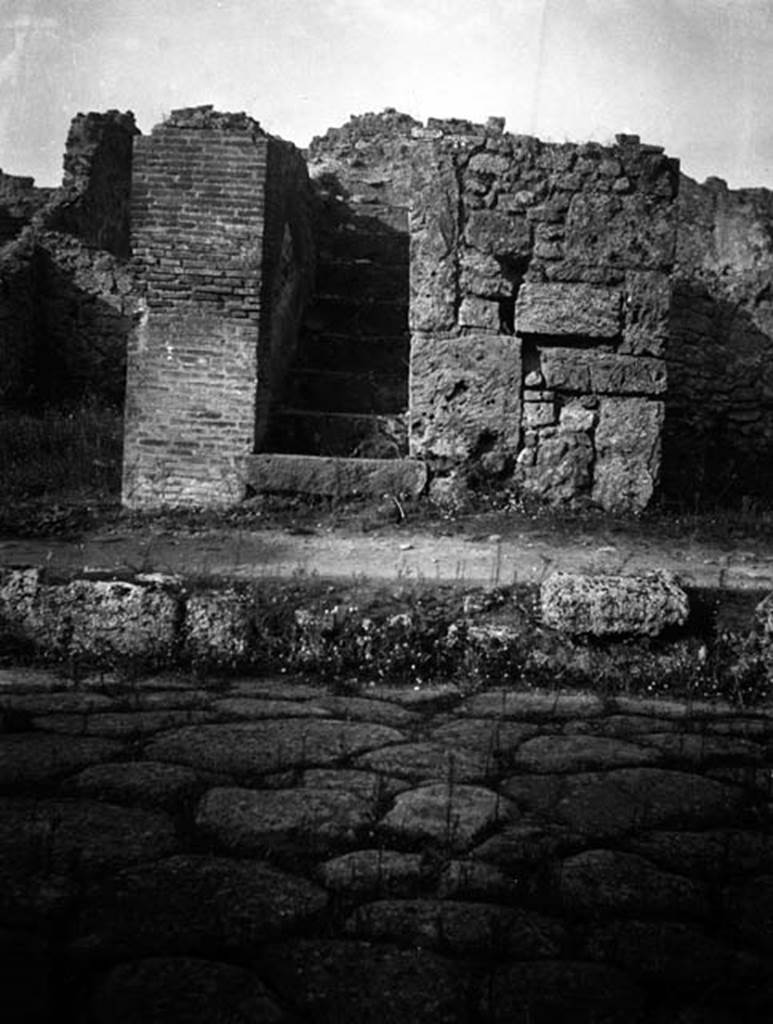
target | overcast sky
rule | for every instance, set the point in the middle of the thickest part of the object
(693, 75)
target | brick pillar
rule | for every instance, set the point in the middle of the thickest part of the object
(198, 200)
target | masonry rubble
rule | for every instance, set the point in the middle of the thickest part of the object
(576, 322)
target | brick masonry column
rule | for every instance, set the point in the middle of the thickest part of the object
(198, 203)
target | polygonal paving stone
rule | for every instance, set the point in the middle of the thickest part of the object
(146, 783)
(65, 702)
(449, 816)
(249, 748)
(140, 699)
(609, 803)
(699, 749)
(31, 680)
(367, 785)
(252, 820)
(484, 734)
(424, 761)
(192, 904)
(121, 723)
(672, 953)
(622, 726)
(258, 708)
(560, 992)
(476, 880)
(30, 759)
(350, 982)
(601, 881)
(532, 704)
(64, 836)
(182, 990)
(579, 753)
(362, 709)
(31, 898)
(373, 873)
(534, 793)
(712, 854)
(524, 843)
(459, 927)
(276, 689)
(749, 905)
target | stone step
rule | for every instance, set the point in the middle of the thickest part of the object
(299, 431)
(357, 316)
(370, 353)
(283, 473)
(343, 391)
(346, 278)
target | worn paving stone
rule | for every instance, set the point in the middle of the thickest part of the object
(560, 992)
(369, 786)
(30, 759)
(524, 843)
(260, 707)
(501, 738)
(476, 880)
(363, 709)
(81, 836)
(672, 953)
(351, 982)
(710, 854)
(419, 698)
(182, 990)
(192, 904)
(141, 699)
(621, 726)
(276, 689)
(699, 749)
(611, 803)
(145, 783)
(65, 702)
(532, 704)
(120, 723)
(609, 881)
(459, 927)
(250, 748)
(373, 873)
(425, 761)
(449, 816)
(749, 905)
(579, 753)
(32, 898)
(251, 820)
(31, 680)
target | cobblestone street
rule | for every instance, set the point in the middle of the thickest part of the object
(178, 849)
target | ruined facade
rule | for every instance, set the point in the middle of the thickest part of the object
(573, 322)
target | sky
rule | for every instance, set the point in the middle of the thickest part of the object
(695, 76)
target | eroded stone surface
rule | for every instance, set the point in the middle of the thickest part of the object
(32, 759)
(146, 783)
(447, 815)
(191, 904)
(607, 605)
(373, 872)
(182, 990)
(580, 753)
(254, 748)
(251, 820)
(425, 762)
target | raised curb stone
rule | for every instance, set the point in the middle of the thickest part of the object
(608, 605)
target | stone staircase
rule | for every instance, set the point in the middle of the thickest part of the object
(346, 396)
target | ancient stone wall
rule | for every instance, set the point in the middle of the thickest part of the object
(539, 309)
(18, 318)
(93, 203)
(198, 237)
(20, 200)
(718, 435)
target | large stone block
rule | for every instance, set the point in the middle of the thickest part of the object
(633, 231)
(555, 308)
(465, 395)
(608, 605)
(602, 373)
(498, 233)
(434, 239)
(647, 305)
(628, 443)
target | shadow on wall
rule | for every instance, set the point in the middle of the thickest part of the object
(718, 431)
(347, 389)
